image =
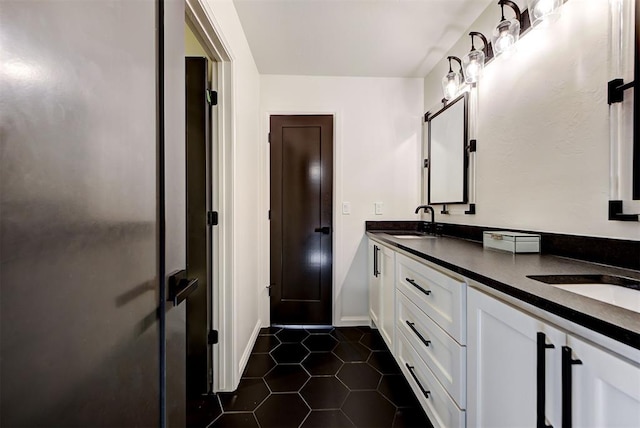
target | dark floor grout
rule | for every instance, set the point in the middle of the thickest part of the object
(259, 398)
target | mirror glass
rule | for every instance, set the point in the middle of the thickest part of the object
(447, 170)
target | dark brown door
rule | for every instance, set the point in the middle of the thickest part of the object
(198, 179)
(301, 219)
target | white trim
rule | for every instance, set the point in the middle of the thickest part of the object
(208, 29)
(353, 321)
(247, 350)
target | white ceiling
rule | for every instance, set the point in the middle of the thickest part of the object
(379, 38)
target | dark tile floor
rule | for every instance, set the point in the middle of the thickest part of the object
(329, 378)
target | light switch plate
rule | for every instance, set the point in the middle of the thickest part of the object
(346, 208)
(378, 208)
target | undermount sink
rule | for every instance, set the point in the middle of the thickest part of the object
(615, 290)
(412, 235)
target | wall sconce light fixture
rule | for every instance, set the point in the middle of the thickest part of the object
(452, 81)
(473, 62)
(543, 10)
(507, 32)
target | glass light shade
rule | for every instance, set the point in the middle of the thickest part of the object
(473, 64)
(505, 36)
(451, 85)
(543, 10)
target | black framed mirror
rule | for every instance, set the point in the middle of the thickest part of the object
(448, 162)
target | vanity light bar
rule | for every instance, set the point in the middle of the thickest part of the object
(523, 18)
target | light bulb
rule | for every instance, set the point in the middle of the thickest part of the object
(472, 70)
(505, 35)
(544, 10)
(473, 64)
(504, 41)
(450, 85)
(452, 89)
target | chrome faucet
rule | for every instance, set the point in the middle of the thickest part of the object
(428, 208)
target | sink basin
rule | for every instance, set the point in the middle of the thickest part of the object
(615, 290)
(412, 235)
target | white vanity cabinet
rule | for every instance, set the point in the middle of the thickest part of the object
(440, 295)
(382, 290)
(503, 375)
(431, 334)
(475, 361)
(374, 279)
(524, 372)
(432, 395)
(604, 390)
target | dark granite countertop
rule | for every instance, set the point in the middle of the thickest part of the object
(508, 272)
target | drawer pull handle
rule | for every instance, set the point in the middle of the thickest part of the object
(376, 272)
(567, 408)
(412, 282)
(541, 348)
(415, 330)
(413, 375)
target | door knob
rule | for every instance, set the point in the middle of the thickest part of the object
(325, 230)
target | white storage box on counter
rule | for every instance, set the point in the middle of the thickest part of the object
(514, 242)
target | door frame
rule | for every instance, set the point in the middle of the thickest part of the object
(266, 191)
(208, 31)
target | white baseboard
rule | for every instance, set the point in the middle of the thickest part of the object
(247, 350)
(354, 321)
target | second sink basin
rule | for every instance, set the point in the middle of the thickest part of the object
(615, 290)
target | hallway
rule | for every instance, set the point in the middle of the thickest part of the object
(337, 377)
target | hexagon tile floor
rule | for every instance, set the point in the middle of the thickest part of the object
(329, 378)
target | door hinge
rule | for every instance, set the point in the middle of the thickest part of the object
(269, 289)
(212, 218)
(269, 138)
(426, 163)
(212, 337)
(212, 97)
(269, 214)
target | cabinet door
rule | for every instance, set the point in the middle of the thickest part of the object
(605, 389)
(502, 366)
(387, 295)
(374, 282)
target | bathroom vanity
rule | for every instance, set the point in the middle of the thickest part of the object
(482, 344)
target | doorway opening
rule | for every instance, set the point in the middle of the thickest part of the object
(200, 101)
(219, 375)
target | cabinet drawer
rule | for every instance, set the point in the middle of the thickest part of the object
(439, 406)
(440, 296)
(444, 356)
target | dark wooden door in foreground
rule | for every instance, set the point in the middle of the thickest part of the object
(301, 219)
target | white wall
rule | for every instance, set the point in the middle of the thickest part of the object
(376, 159)
(242, 218)
(543, 136)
